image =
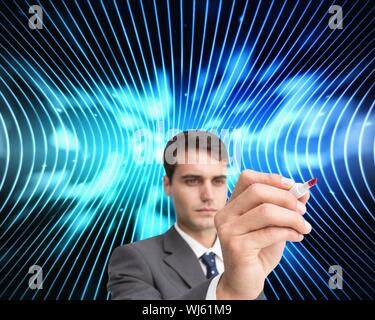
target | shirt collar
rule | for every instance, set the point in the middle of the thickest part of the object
(198, 248)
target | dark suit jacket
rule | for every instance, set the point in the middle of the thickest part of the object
(161, 267)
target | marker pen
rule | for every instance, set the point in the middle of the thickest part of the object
(299, 189)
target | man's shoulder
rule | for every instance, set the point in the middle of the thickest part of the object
(149, 245)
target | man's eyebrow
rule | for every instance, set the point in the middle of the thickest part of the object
(194, 176)
(220, 177)
(190, 176)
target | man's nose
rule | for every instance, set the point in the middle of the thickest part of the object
(207, 192)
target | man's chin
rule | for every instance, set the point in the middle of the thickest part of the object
(204, 223)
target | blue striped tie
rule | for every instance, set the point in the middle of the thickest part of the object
(209, 260)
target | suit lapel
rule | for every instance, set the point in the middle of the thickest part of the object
(182, 258)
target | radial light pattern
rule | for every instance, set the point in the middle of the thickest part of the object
(89, 100)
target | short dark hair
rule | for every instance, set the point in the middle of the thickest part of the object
(189, 139)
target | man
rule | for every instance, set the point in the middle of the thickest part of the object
(215, 250)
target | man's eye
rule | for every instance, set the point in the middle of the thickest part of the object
(219, 181)
(191, 182)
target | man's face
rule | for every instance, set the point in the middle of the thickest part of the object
(198, 190)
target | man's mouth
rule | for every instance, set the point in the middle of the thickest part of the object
(206, 210)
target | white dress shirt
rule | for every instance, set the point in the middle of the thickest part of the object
(200, 250)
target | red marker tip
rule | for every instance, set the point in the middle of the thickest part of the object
(312, 182)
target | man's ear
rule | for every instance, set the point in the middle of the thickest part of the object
(167, 185)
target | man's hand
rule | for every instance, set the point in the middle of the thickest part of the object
(259, 218)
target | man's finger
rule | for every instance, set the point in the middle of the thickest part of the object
(268, 215)
(305, 197)
(268, 236)
(257, 194)
(249, 177)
